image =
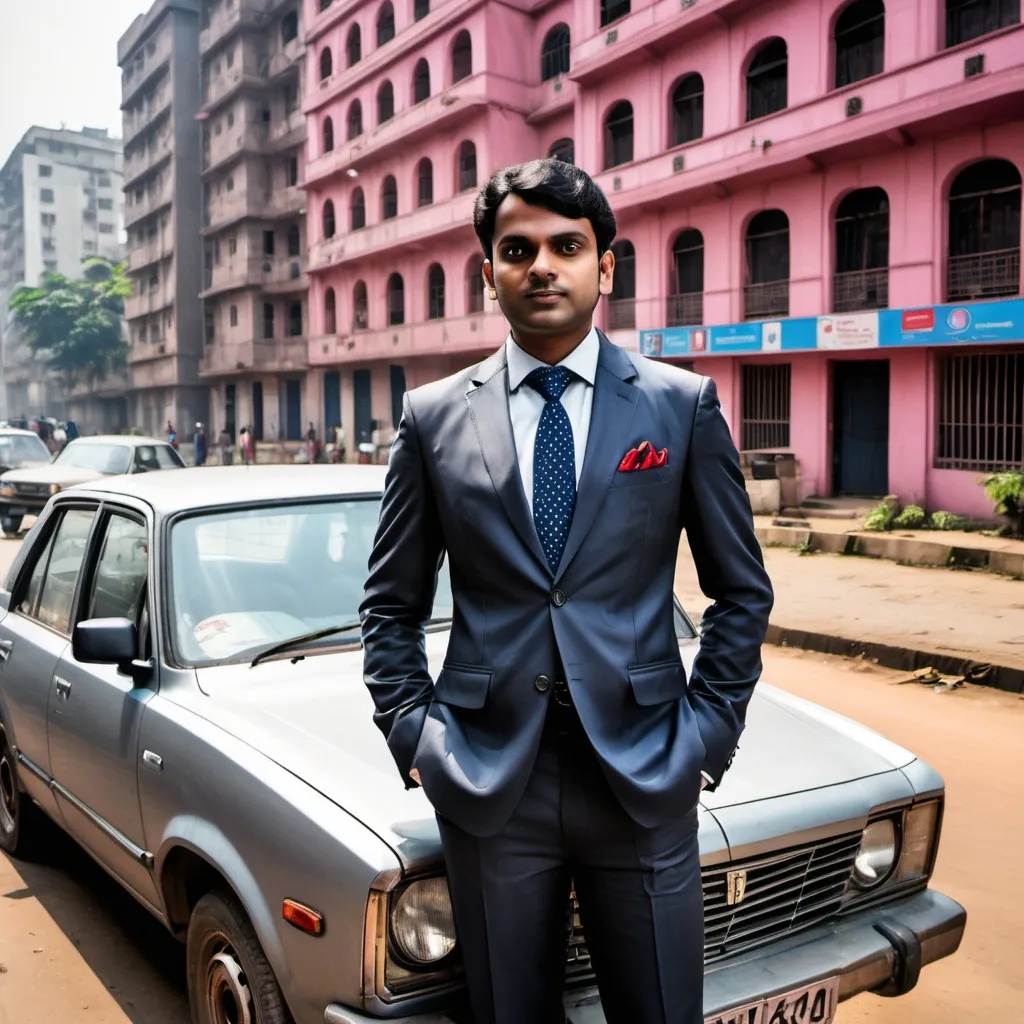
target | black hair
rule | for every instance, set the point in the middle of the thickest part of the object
(553, 184)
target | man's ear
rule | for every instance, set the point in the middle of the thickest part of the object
(606, 272)
(488, 272)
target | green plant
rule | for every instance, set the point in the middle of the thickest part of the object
(879, 518)
(912, 517)
(1006, 491)
(948, 521)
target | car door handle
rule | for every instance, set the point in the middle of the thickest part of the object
(6, 646)
(63, 688)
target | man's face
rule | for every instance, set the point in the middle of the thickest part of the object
(546, 270)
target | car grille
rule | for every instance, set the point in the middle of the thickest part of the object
(33, 490)
(785, 892)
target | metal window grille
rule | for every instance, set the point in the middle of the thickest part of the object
(389, 198)
(385, 103)
(462, 57)
(354, 45)
(355, 120)
(421, 81)
(435, 287)
(765, 406)
(860, 42)
(688, 110)
(295, 320)
(467, 166)
(981, 412)
(330, 313)
(684, 309)
(618, 135)
(396, 300)
(326, 64)
(767, 81)
(860, 289)
(357, 210)
(425, 183)
(385, 24)
(554, 56)
(421, 8)
(968, 19)
(360, 312)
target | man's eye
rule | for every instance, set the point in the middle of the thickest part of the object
(571, 248)
(514, 252)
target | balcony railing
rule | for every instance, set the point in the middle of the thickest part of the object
(764, 300)
(685, 309)
(860, 289)
(621, 314)
(984, 275)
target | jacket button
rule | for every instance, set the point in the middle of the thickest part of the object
(558, 598)
(542, 683)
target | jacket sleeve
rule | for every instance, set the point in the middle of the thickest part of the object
(399, 595)
(720, 531)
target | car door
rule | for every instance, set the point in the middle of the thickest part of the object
(95, 711)
(33, 636)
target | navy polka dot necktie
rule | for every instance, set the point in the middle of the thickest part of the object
(554, 463)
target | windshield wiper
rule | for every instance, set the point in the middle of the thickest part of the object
(306, 638)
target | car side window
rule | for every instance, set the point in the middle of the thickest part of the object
(145, 459)
(168, 458)
(119, 583)
(34, 587)
(63, 567)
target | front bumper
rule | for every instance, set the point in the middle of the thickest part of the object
(877, 950)
(23, 505)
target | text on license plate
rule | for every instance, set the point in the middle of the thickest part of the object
(813, 1005)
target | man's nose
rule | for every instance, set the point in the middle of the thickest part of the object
(543, 266)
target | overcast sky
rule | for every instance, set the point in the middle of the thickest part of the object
(59, 63)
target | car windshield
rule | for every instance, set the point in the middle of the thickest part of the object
(242, 581)
(18, 448)
(105, 458)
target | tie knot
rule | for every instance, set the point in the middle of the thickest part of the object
(550, 381)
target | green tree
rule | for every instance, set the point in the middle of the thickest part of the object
(76, 325)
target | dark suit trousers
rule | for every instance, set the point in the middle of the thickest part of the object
(639, 892)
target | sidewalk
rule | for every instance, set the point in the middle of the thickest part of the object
(905, 616)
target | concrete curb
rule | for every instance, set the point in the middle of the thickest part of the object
(905, 550)
(907, 659)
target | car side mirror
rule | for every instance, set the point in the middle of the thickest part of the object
(105, 642)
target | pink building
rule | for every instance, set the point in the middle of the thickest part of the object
(817, 203)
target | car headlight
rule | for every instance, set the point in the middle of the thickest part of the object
(7, 491)
(55, 488)
(920, 832)
(422, 922)
(877, 854)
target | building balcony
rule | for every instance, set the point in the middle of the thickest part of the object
(155, 200)
(282, 355)
(134, 125)
(860, 289)
(146, 161)
(160, 248)
(228, 209)
(144, 305)
(228, 19)
(146, 351)
(766, 300)
(928, 98)
(227, 83)
(983, 275)
(551, 98)
(258, 139)
(284, 134)
(274, 275)
(144, 72)
(684, 309)
(441, 112)
(410, 232)
(285, 59)
(620, 314)
(480, 332)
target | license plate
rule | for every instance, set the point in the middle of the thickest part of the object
(813, 1005)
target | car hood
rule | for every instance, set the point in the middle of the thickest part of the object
(314, 718)
(66, 476)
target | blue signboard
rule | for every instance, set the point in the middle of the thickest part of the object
(976, 323)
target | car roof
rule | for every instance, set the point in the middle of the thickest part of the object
(178, 490)
(17, 432)
(132, 440)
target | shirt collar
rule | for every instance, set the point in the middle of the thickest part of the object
(582, 360)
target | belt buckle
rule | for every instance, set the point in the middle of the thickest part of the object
(560, 694)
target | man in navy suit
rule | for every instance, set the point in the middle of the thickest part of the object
(561, 744)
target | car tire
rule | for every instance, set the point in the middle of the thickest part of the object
(10, 525)
(229, 976)
(18, 819)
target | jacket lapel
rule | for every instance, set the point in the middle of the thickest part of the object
(489, 411)
(615, 402)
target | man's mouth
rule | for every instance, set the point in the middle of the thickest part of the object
(545, 294)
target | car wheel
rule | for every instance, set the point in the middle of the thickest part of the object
(10, 525)
(230, 980)
(17, 811)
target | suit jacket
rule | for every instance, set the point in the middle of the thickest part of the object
(453, 487)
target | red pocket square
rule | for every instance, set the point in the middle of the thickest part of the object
(643, 456)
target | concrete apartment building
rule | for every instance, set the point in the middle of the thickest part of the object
(60, 203)
(818, 205)
(254, 225)
(160, 90)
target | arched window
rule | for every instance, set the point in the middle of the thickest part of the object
(326, 64)
(357, 209)
(612, 10)
(330, 312)
(396, 300)
(385, 23)
(766, 80)
(360, 307)
(328, 134)
(462, 57)
(475, 284)
(622, 301)
(289, 27)
(385, 102)
(554, 54)
(435, 292)
(420, 9)
(564, 150)
(686, 301)
(421, 81)
(687, 110)
(861, 275)
(766, 292)
(355, 119)
(424, 182)
(968, 19)
(467, 166)
(618, 135)
(294, 240)
(354, 45)
(984, 232)
(328, 219)
(860, 41)
(389, 198)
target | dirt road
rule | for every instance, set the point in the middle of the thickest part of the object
(79, 951)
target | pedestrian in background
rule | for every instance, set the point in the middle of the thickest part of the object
(243, 445)
(227, 447)
(201, 444)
